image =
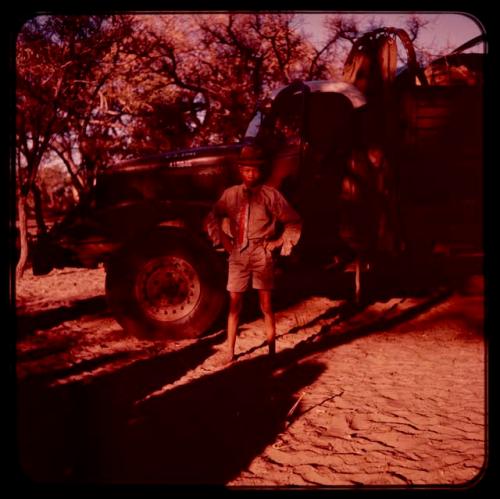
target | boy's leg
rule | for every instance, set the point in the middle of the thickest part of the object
(236, 299)
(237, 283)
(265, 300)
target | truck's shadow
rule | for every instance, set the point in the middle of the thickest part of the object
(203, 432)
(206, 431)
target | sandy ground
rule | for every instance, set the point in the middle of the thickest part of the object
(390, 393)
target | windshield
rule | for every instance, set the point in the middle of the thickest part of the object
(356, 98)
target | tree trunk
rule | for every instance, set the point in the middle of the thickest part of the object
(40, 222)
(23, 236)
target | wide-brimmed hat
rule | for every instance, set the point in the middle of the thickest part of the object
(252, 155)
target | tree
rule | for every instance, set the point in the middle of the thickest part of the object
(94, 128)
(39, 88)
(224, 63)
(255, 53)
(63, 63)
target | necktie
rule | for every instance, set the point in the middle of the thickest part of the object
(243, 217)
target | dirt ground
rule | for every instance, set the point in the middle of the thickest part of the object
(390, 393)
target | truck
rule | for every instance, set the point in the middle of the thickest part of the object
(381, 164)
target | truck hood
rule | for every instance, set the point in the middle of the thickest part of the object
(183, 158)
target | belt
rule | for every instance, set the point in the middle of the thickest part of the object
(254, 242)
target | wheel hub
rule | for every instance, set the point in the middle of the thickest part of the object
(168, 288)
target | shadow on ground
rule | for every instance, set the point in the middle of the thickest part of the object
(386, 279)
(295, 283)
(27, 323)
(203, 432)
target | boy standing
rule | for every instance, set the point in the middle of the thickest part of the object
(253, 210)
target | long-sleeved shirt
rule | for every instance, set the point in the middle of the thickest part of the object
(267, 206)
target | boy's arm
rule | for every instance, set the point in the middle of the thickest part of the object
(214, 224)
(292, 226)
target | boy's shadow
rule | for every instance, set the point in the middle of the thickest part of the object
(207, 432)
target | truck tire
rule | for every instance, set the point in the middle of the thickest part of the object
(170, 286)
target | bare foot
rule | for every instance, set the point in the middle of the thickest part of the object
(227, 358)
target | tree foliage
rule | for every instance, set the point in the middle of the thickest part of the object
(62, 66)
(218, 64)
(93, 89)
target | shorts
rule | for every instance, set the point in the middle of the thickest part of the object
(254, 263)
